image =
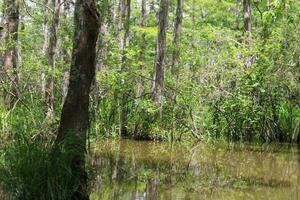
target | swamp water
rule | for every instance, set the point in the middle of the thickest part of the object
(138, 170)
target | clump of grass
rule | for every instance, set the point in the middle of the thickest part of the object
(29, 171)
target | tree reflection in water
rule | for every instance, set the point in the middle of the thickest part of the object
(151, 170)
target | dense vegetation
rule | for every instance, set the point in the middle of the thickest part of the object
(228, 82)
(174, 70)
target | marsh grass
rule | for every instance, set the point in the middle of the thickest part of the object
(29, 171)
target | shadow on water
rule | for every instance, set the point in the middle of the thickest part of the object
(150, 170)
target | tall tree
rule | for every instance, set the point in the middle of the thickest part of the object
(124, 45)
(52, 49)
(75, 113)
(159, 73)
(10, 59)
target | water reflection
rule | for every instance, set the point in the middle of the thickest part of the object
(149, 170)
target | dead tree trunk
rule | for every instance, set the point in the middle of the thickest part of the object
(159, 72)
(51, 58)
(75, 113)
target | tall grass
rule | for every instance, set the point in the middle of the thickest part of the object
(29, 171)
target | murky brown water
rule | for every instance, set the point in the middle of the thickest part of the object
(148, 170)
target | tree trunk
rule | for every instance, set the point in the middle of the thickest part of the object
(66, 57)
(175, 56)
(102, 46)
(45, 46)
(75, 113)
(140, 84)
(176, 38)
(10, 58)
(247, 15)
(124, 68)
(159, 76)
(51, 58)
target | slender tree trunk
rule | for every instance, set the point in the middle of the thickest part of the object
(247, 16)
(52, 57)
(66, 58)
(159, 72)
(45, 45)
(124, 68)
(140, 84)
(176, 38)
(11, 58)
(175, 55)
(75, 113)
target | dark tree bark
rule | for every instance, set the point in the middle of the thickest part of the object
(159, 72)
(49, 95)
(247, 15)
(10, 59)
(75, 113)
(124, 68)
